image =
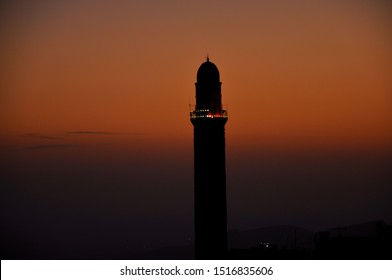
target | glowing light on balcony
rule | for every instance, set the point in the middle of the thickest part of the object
(206, 113)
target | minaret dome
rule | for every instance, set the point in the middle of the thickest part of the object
(208, 73)
(208, 89)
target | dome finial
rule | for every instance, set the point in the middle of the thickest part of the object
(207, 57)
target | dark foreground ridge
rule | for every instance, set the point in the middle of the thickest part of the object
(372, 240)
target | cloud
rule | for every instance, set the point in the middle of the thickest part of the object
(92, 132)
(50, 146)
(40, 136)
(87, 132)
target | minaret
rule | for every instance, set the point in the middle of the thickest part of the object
(209, 119)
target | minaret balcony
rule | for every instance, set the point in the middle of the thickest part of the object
(207, 113)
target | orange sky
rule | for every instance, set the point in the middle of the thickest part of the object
(303, 75)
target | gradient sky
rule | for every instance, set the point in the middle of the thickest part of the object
(94, 111)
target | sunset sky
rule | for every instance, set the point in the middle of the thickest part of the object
(94, 112)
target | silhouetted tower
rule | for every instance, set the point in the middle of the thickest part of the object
(209, 119)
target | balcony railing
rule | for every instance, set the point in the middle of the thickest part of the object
(206, 113)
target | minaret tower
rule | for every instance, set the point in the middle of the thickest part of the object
(209, 119)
